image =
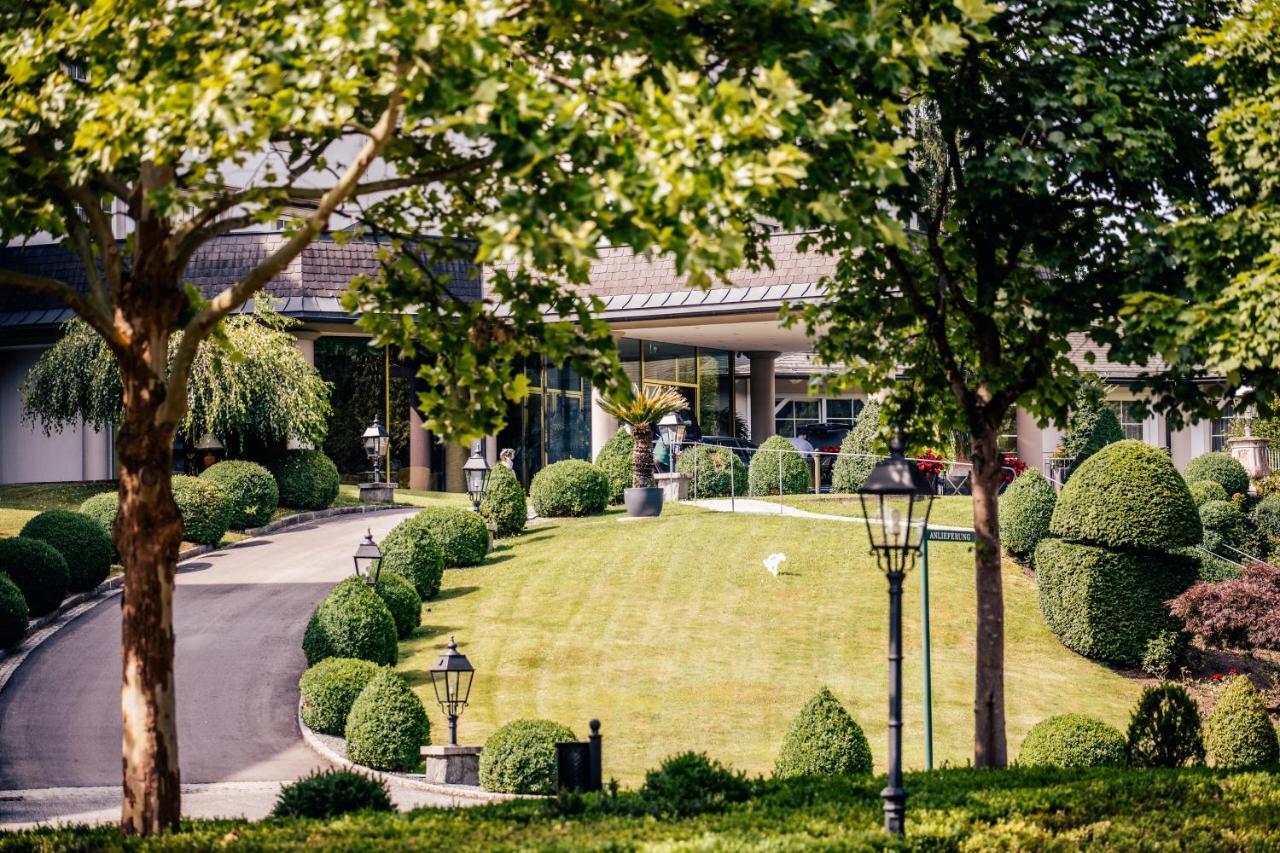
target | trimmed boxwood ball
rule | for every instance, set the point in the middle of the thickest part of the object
(81, 542)
(1203, 491)
(1107, 604)
(307, 480)
(520, 757)
(387, 724)
(249, 488)
(614, 459)
(1073, 740)
(460, 533)
(855, 461)
(330, 688)
(410, 551)
(714, 471)
(103, 509)
(570, 487)
(351, 622)
(504, 505)
(1239, 732)
(1224, 527)
(823, 740)
(325, 794)
(778, 464)
(38, 570)
(1221, 468)
(403, 602)
(13, 613)
(1127, 495)
(1026, 508)
(206, 513)
(1165, 729)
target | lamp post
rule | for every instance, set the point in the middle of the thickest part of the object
(476, 474)
(368, 560)
(209, 449)
(893, 486)
(451, 678)
(672, 429)
(375, 441)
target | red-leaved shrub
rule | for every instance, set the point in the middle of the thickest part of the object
(1241, 613)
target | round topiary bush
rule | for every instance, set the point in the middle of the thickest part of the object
(387, 725)
(103, 508)
(1239, 732)
(1127, 495)
(330, 688)
(614, 459)
(206, 513)
(38, 570)
(504, 505)
(778, 465)
(1165, 729)
(1073, 740)
(1204, 491)
(460, 533)
(691, 783)
(1266, 520)
(410, 551)
(403, 602)
(1223, 469)
(307, 479)
(1107, 604)
(1026, 508)
(13, 613)
(570, 487)
(250, 490)
(857, 452)
(714, 471)
(520, 757)
(81, 542)
(351, 622)
(1224, 527)
(823, 740)
(325, 794)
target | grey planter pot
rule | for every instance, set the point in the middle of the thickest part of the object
(643, 503)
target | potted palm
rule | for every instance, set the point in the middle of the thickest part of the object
(640, 410)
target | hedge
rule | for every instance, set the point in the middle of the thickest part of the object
(1203, 491)
(1224, 527)
(330, 688)
(1127, 495)
(520, 757)
(206, 513)
(614, 459)
(13, 613)
(250, 490)
(307, 480)
(403, 602)
(570, 487)
(331, 793)
(504, 504)
(387, 725)
(460, 533)
(410, 551)
(778, 465)
(103, 508)
(1165, 729)
(1106, 604)
(81, 542)
(855, 461)
(1026, 508)
(1221, 468)
(691, 783)
(38, 570)
(351, 622)
(1239, 732)
(823, 740)
(1073, 740)
(714, 471)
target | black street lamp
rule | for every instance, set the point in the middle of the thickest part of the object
(894, 486)
(476, 473)
(451, 678)
(375, 441)
(672, 429)
(368, 560)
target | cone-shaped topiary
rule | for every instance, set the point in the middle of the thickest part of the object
(81, 542)
(206, 513)
(250, 490)
(460, 533)
(351, 622)
(1127, 495)
(411, 551)
(13, 613)
(570, 487)
(1221, 468)
(777, 464)
(1026, 508)
(856, 460)
(714, 471)
(307, 479)
(1203, 491)
(1165, 729)
(614, 459)
(330, 688)
(1092, 425)
(38, 571)
(520, 757)
(504, 505)
(823, 740)
(1239, 732)
(1073, 740)
(1224, 527)
(387, 724)
(403, 602)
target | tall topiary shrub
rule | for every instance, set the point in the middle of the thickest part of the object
(614, 459)
(38, 570)
(206, 513)
(351, 622)
(250, 490)
(307, 480)
(1239, 732)
(403, 602)
(504, 505)
(1092, 424)
(387, 724)
(823, 740)
(411, 551)
(520, 757)
(714, 471)
(570, 487)
(856, 452)
(1073, 740)
(778, 465)
(1026, 509)
(13, 613)
(1165, 729)
(1221, 468)
(330, 688)
(460, 533)
(81, 542)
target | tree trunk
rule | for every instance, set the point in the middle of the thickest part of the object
(642, 456)
(989, 746)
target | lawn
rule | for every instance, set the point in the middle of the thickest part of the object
(672, 632)
(21, 501)
(951, 511)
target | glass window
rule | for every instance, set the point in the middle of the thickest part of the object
(843, 412)
(1130, 414)
(629, 354)
(715, 393)
(670, 363)
(790, 415)
(1222, 427)
(1007, 441)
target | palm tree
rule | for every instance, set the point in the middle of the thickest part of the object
(640, 410)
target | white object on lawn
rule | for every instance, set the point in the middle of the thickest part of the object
(772, 562)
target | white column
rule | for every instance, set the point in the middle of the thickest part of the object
(306, 343)
(763, 393)
(603, 426)
(1201, 437)
(95, 453)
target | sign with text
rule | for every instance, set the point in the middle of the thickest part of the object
(948, 534)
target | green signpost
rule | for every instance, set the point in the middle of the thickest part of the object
(932, 534)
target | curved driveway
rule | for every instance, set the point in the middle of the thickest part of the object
(239, 616)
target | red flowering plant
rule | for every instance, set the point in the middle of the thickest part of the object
(1012, 467)
(930, 463)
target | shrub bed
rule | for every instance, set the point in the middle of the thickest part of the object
(614, 459)
(1026, 508)
(856, 460)
(1222, 468)
(714, 472)
(331, 793)
(1073, 740)
(410, 551)
(1239, 732)
(351, 622)
(403, 602)
(330, 688)
(307, 480)
(460, 533)
(823, 740)
(250, 490)
(38, 570)
(1165, 729)
(778, 465)
(81, 542)
(568, 488)
(520, 757)
(504, 505)
(1242, 613)
(206, 513)
(1204, 491)
(387, 725)
(13, 613)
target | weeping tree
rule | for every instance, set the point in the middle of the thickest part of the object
(641, 410)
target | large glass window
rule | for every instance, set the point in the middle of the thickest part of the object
(715, 394)
(629, 354)
(1007, 441)
(1221, 430)
(1130, 413)
(792, 414)
(670, 363)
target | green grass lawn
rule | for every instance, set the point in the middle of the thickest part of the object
(21, 501)
(952, 511)
(672, 632)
